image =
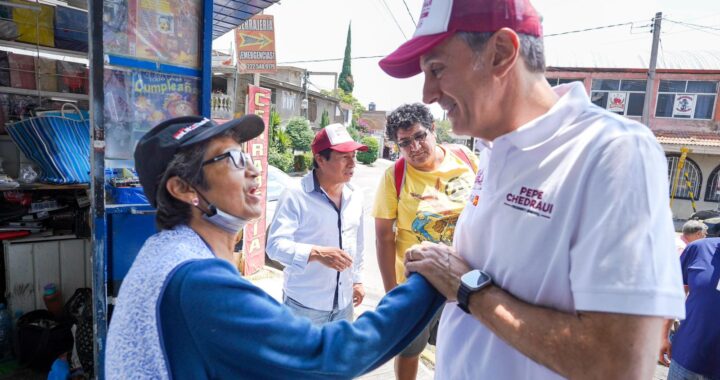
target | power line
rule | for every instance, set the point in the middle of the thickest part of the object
(547, 35)
(410, 13)
(331, 59)
(394, 19)
(589, 29)
(695, 26)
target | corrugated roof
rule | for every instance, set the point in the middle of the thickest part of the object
(228, 14)
(677, 60)
(686, 138)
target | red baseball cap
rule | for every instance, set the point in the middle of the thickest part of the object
(337, 138)
(440, 19)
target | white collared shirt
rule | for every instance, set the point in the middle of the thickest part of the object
(572, 213)
(304, 218)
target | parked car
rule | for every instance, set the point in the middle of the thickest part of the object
(277, 181)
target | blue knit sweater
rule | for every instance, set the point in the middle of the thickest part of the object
(217, 325)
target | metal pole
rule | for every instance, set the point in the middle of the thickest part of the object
(650, 87)
(97, 184)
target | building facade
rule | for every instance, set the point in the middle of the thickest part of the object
(683, 114)
(288, 93)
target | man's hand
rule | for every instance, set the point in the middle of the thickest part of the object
(331, 257)
(665, 346)
(439, 264)
(358, 294)
(665, 352)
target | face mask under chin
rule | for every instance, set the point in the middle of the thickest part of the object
(225, 221)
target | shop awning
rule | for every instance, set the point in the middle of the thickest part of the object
(227, 14)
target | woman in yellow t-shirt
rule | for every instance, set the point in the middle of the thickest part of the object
(434, 184)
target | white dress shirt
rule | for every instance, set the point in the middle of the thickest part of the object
(305, 217)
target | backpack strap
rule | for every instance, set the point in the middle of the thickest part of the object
(400, 165)
(460, 153)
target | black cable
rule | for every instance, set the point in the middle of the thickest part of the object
(394, 19)
(699, 28)
(692, 25)
(410, 13)
(382, 56)
(588, 29)
(331, 59)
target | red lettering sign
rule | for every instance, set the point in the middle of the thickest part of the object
(254, 233)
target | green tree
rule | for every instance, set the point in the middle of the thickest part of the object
(324, 119)
(372, 153)
(442, 131)
(348, 98)
(300, 134)
(282, 161)
(354, 133)
(345, 81)
(278, 138)
(273, 123)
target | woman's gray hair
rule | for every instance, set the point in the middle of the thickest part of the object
(532, 50)
(187, 165)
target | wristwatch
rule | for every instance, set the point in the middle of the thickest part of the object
(471, 282)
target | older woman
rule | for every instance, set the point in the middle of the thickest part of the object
(184, 311)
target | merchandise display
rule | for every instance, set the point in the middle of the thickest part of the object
(155, 30)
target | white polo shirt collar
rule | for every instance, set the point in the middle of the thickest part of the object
(573, 102)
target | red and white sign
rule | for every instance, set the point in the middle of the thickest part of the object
(617, 101)
(684, 105)
(258, 103)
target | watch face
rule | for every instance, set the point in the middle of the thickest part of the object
(475, 278)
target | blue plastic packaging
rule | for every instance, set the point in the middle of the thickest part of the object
(5, 331)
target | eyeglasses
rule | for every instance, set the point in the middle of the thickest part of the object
(238, 158)
(419, 137)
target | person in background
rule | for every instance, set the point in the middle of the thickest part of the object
(694, 352)
(692, 230)
(563, 263)
(184, 311)
(434, 184)
(317, 233)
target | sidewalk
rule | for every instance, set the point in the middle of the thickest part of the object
(270, 280)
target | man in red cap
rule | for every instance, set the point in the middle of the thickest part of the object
(317, 233)
(563, 262)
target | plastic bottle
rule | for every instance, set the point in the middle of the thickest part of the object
(53, 300)
(5, 331)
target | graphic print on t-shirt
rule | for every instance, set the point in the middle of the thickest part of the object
(437, 214)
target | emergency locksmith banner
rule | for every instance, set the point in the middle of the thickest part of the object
(255, 45)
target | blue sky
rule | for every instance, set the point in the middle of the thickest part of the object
(316, 29)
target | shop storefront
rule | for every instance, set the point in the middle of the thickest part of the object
(80, 83)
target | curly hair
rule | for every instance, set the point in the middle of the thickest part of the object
(405, 117)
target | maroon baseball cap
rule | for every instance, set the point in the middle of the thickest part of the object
(337, 138)
(440, 19)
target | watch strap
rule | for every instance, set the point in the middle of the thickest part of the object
(463, 297)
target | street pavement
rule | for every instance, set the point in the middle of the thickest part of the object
(366, 179)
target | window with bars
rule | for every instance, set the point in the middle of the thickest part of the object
(558, 81)
(694, 175)
(712, 192)
(689, 99)
(622, 96)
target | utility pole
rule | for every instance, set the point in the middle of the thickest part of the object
(304, 105)
(650, 87)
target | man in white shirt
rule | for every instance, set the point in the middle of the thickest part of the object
(317, 233)
(565, 249)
